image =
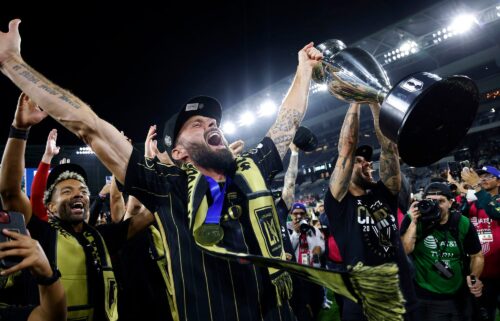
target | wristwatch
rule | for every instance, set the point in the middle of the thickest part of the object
(56, 274)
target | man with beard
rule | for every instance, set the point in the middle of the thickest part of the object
(79, 251)
(362, 212)
(214, 201)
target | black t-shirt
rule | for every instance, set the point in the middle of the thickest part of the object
(208, 287)
(365, 229)
(142, 291)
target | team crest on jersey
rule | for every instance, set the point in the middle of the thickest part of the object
(270, 230)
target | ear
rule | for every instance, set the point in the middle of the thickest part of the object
(51, 207)
(179, 153)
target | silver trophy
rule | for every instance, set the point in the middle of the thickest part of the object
(425, 115)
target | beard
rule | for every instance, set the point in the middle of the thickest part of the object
(66, 215)
(362, 182)
(221, 160)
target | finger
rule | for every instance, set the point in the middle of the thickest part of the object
(14, 26)
(13, 235)
(15, 252)
(18, 267)
(309, 45)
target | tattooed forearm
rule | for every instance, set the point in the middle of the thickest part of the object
(288, 193)
(390, 173)
(35, 78)
(284, 128)
(348, 140)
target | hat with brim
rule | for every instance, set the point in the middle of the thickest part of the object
(198, 106)
(488, 170)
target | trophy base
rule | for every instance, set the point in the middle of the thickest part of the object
(428, 116)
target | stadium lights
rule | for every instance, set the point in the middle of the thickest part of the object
(85, 151)
(228, 128)
(247, 119)
(315, 88)
(462, 23)
(267, 108)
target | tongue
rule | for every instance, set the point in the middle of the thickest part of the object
(76, 210)
(214, 140)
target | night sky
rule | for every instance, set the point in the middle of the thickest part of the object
(136, 64)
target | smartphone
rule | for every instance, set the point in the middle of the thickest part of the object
(11, 221)
(108, 179)
(455, 170)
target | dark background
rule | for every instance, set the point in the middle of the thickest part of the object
(136, 64)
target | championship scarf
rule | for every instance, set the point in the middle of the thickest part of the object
(71, 261)
(262, 214)
(375, 288)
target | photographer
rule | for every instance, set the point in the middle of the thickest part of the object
(307, 241)
(441, 242)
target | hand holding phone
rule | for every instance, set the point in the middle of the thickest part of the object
(13, 222)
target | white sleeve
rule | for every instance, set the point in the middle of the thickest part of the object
(294, 239)
(317, 240)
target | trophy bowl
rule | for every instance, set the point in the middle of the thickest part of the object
(425, 115)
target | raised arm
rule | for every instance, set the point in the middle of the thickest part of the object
(390, 173)
(41, 176)
(105, 140)
(116, 202)
(294, 105)
(12, 169)
(348, 141)
(288, 193)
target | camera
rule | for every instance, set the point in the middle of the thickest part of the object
(443, 269)
(304, 225)
(456, 169)
(429, 210)
(11, 221)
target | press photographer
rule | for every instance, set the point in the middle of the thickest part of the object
(446, 253)
(307, 241)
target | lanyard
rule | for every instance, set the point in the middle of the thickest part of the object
(215, 210)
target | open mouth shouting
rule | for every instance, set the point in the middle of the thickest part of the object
(214, 138)
(77, 207)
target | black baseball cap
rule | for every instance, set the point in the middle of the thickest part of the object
(438, 188)
(366, 151)
(200, 105)
(305, 140)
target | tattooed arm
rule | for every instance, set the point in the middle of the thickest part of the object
(390, 173)
(294, 106)
(105, 140)
(290, 177)
(348, 141)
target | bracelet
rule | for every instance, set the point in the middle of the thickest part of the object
(18, 133)
(56, 274)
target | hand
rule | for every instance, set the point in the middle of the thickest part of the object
(309, 56)
(10, 42)
(105, 189)
(27, 113)
(477, 288)
(296, 226)
(151, 148)
(29, 250)
(316, 250)
(51, 148)
(294, 148)
(237, 147)
(470, 177)
(414, 212)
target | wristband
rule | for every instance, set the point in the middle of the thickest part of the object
(18, 133)
(294, 153)
(51, 279)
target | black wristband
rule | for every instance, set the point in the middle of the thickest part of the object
(18, 133)
(51, 279)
